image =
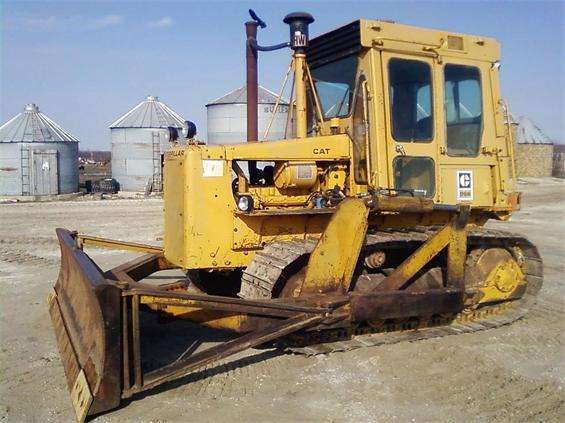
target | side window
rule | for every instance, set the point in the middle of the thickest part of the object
(463, 110)
(360, 132)
(414, 176)
(411, 100)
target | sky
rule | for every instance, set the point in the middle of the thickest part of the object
(85, 63)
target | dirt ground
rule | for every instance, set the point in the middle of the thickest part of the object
(512, 373)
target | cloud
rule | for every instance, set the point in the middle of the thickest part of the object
(165, 22)
(106, 21)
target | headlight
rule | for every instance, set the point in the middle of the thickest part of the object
(245, 203)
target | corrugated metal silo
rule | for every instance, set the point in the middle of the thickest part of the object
(37, 156)
(139, 140)
(227, 117)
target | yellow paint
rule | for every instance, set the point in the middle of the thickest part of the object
(300, 87)
(331, 264)
(502, 281)
(183, 309)
(483, 194)
(81, 396)
(83, 240)
(388, 36)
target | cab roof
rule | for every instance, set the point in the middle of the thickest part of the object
(389, 36)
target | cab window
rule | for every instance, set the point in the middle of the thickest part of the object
(410, 91)
(334, 84)
(360, 132)
(414, 176)
(463, 110)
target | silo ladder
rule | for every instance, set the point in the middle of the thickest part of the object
(25, 172)
(156, 162)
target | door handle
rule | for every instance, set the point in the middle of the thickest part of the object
(400, 149)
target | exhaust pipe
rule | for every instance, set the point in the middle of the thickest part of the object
(252, 87)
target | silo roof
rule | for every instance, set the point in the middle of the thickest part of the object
(150, 113)
(33, 126)
(239, 96)
(528, 132)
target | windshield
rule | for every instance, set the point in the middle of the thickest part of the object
(334, 84)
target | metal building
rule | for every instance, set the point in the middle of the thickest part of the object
(139, 140)
(227, 117)
(37, 156)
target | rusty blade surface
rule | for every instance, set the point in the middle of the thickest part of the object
(85, 310)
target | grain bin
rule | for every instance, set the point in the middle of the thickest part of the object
(37, 156)
(533, 154)
(139, 139)
(226, 117)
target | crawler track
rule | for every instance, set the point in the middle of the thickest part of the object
(271, 265)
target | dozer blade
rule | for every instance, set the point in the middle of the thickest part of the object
(96, 317)
(85, 310)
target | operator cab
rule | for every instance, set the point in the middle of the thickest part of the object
(422, 108)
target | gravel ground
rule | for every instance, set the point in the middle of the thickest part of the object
(513, 373)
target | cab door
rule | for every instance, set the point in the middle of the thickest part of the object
(411, 134)
(468, 154)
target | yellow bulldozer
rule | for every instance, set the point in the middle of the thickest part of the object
(365, 226)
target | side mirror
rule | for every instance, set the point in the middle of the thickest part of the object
(189, 129)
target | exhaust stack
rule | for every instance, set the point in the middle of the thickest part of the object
(298, 23)
(251, 89)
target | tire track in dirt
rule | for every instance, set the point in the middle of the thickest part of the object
(517, 399)
(15, 255)
(21, 250)
(236, 379)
